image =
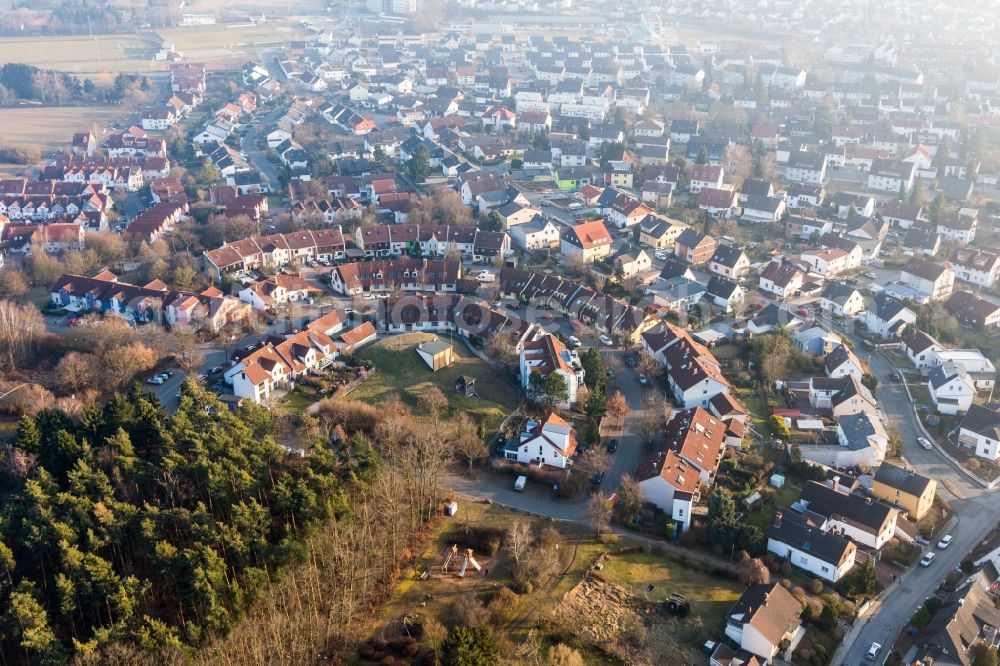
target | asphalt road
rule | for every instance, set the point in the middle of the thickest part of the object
(167, 392)
(248, 145)
(976, 515)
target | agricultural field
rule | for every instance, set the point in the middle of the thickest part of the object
(51, 128)
(221, 45)
(83, 55)
(402, 372)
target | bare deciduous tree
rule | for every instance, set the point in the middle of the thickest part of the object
(435, 402)
(500, 350)
(518, 540)
(21, 328)
(469, 446)
(617, 407)
(599, 514)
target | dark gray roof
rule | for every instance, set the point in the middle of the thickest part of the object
(905, 480)
(721, 287)
(796, 531)
(967, 616)
(857, 428)
(863, 512)
(727, 255)
(983, 420)
(887, 307)
(838, 292)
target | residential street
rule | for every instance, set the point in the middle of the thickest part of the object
(248, 144)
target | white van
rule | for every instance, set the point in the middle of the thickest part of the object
(520, 483)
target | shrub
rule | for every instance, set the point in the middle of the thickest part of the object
(501, 605)
(815, 586)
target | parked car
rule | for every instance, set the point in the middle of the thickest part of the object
(520, 482)
(802, 312)
(598, 477)
(926, 560)
(217, 369)
(945, 541)
(607, 342)
(155, 380)
(575, 341)
(612, 445)
(924, 443)
(642, 378)
(873, 651)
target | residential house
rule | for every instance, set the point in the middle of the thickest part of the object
(968, 617)
(660, 233)
(973, 310)
(757, 209)
(934, 280)
(828, 263)
(694, 375)
(725, 293)
(718, 203)
(841, 300)
(960, 227)
(729, 261)
(586, 242)
(921, 240)
(781, 279)
(705, 175)
(976, 266)
(887, 317)
(277, 290)
(537, 234)
(980, 430)
(842, 361)
(903, 488)
(546, 354)
(805, 167)
(841, 396)
(632, 264)
(688, 457)
(550, 442)
(805, 542)
(861, 519)
(695, 247)
(919, 347)
(393, 275)
(765, 622)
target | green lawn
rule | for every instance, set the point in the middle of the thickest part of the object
(898, 358)
(298, 401)
(781, 498)
(728, 350)
(710, 596)
(402, 372)
(921, 395)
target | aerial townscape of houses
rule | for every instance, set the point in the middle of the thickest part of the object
(675, 204)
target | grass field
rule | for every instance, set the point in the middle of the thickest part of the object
(50, 128)
(402, 372)
(216, 45)
(82, 54)
(710, 596)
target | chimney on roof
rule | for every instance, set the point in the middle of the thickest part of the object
(835, 483)
(777, 518)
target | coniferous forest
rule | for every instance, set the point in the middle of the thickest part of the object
(127, 535)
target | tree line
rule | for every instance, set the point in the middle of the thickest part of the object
(27, 82)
